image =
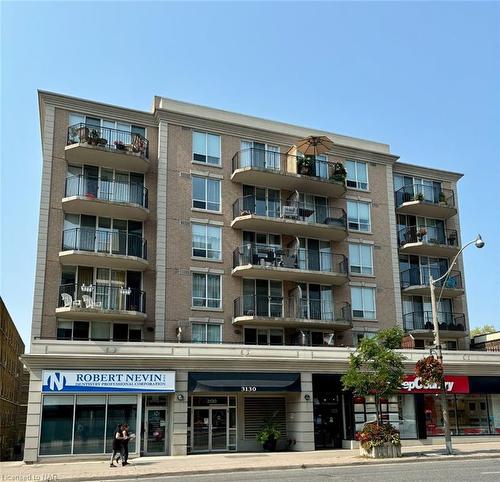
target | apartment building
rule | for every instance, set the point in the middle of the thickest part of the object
(13, 388)
(197, 273)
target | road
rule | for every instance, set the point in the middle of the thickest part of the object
(458, 470)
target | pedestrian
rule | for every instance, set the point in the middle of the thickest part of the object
(117, 445)
(125, 441)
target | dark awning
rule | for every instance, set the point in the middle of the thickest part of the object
(243, 382)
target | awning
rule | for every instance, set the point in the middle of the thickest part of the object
(243, 382)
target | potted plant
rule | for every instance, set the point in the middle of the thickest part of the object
(442, 198)
(120, 145)
(418, 197)
(269, 434)
(305, 165)
(93, 137)
(338, 173)
(376, 370)
(421, 233)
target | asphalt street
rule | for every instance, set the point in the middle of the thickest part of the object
(457, 470)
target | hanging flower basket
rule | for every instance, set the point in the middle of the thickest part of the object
(429, 370)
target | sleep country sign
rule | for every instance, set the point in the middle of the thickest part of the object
(57, 381)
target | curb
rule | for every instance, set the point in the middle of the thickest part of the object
(361, 462)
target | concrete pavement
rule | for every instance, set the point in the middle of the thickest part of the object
(146, 467)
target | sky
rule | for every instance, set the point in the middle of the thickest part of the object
(423, 77)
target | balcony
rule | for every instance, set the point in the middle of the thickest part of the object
(415, 282)
(104, 249)
(450, 324)
(103, 146)
(101, 302)
(292, 218)
(426, 201)
(100, 197)
(428, 241)
(259, 167)
(269, 311)
(289, 264)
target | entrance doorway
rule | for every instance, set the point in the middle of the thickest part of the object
(155, 440)
(212, 424)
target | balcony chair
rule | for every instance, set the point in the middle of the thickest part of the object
(90, 303)
(67, 300)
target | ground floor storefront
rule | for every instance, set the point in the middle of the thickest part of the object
(220, 405)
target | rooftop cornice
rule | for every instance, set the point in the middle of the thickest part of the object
(428, 172)
(100, 109)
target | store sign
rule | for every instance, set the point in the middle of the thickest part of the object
(107, 381)
(454, 384)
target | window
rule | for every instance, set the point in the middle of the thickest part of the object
(264, 336)
(361, 259)
(357, 337)
(206, 333)
(206, 290)
(206, 241)
(206, 193)
(206, 148)
(258, 154)
(363, 302)
(358, 216)
(357, 174)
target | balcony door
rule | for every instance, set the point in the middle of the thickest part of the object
(263, 297)
(258, 154)
(317, 204)
(315, 255)
(262, 201)
(316, 302)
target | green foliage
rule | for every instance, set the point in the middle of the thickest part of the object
(482, 330)
(375, 435)
(269, 430)
(375, 368)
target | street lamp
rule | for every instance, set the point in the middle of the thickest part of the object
(479, 243)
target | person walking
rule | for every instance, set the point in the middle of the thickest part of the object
(125, 441)
(117, 445)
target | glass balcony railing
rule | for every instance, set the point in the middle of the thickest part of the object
(294, 258)
(428, 235)
(102, 297)
(420, 277)
(278, 307)
(283, 163)
(104, 241)
(422, 320)
(110, 139)
(427, 194)
(335, 217)
(106, 190)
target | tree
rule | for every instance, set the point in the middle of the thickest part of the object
(482, 330)
(375, 368)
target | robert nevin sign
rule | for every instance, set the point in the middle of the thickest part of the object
(107, 381)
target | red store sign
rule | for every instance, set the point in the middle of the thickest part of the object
(454, 384)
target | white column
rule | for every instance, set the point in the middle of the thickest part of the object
(33, 417)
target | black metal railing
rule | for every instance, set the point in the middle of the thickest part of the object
(294, 258)
(295, 308)
(107, 138)
(427, 194)
(99, 188)
(422, 320)
(428, 235)
(335, 217)
(103, 241)
(102, 297)
(420, 277)
(283, 163)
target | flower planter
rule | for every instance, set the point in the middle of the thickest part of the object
(270, 445)
(384, 451)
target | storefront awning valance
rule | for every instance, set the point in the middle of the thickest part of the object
(243, 382)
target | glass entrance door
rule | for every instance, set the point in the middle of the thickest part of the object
(209, 429)
(156, 427)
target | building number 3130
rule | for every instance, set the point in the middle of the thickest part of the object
(248, 389)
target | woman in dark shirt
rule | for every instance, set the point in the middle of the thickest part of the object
(125, 441)
(117, 445)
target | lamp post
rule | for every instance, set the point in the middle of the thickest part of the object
(479, 243)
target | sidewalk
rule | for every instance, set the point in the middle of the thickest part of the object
(213, 463)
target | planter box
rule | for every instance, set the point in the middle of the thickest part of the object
(385, 451)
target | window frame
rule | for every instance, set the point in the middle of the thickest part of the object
(205, 298)
(197, 161)
(205, 338)
(219, 250)
(358, 229)
(363, 290)
(193, 200)
(356, 181)
(361, 266)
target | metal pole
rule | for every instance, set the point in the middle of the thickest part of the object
(437, 342)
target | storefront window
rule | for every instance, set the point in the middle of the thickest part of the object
(121, 409)
(57, 425)
(89, 424)
(434, 415)
(472, 412)
(408, 421)
(494, 407)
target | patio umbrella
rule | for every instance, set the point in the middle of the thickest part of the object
(314, 145)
